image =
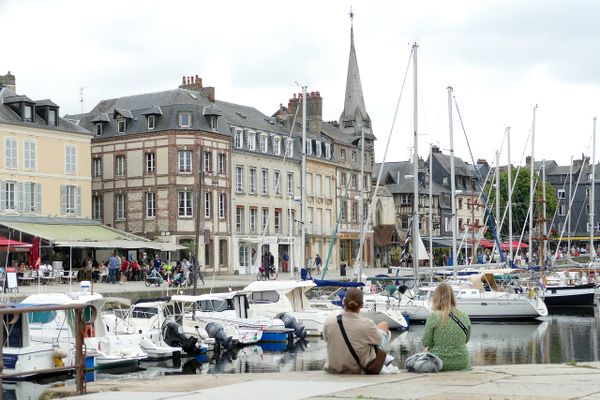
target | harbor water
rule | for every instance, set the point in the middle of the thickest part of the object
(567, 335)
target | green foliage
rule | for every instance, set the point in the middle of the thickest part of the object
(520, 201)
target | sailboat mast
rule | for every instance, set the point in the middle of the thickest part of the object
(544, 221)
(592, 193)
(509, 188)
(531, 166)
(452, 184)
(569, 210)
(498, 194)
(303, 263)
(415, 219)
(430, 207)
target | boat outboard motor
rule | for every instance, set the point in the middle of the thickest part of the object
(291, 322)
(174, 336)
(217, 332)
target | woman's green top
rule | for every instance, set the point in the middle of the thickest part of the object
(448, 341)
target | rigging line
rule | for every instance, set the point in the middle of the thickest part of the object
(387, 145)
(487, 209)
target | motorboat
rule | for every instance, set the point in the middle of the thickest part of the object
(287, 301)
(110, 350)
(568, 288)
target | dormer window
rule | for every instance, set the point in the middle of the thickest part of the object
(28, 113)
(52, 117)
(318, 148)
(239, 138)
(277, 146)
(151, 120)
(308, 147)
(252, 141)
(327, 151)
(98, 128)
(263, 143)
(121, 126)
(213, 122)
(185, 120)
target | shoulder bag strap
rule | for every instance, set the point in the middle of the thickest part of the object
(339, 321)
(459, 323)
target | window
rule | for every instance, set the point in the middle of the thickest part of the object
(185, 204)
(71, 199)
(343, 179)
(239, 138)
(353, 156)
(243, 255)
(277, 146)
(150, 162)
(265, 220)
(97, 167)
(277, 220)
(309, 181)
(587, 192)
(185, 120)
(354, 212)
(29, 153)
(343, 154)
(98, 128)
(97, 207)
(28, 114)
(560, 194)
(121, 126)
(343, 211)
(277, 183)
(353, 183)
(253, 212)
(562, 210)
(252, 185)
(318, 179)
(239, 179)
(150, 205)
(221, 157)
(207, 161)
(32, 197)
(213, 121)
(185, 160)
(10, 153)
(252, 140)
(460, 204)
(239, 219)
(120, 206)
(264, 146)
(290, 183)
(460, 224)
(265, 181)
(308, 147)
(70, 159)
(289, 148)
(222, 202)
(9, 196)
(327, 151)
(327, 188)
(207, 204)
(291, 219)
(120, 166)
(52, 117)
(318, 148)
(151, 121)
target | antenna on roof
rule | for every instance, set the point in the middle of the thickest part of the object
(81, 98)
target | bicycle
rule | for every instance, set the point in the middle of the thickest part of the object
(263, 276)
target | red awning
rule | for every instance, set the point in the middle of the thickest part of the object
(486, 244)
(13, 245)
(515, 244)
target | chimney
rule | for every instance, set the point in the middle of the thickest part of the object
(314, 111)
(436, 150)
(195, 83)
(293, 103)
(9, 81)
(527, 161)
(482, 161)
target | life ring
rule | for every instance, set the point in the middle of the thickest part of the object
(88, 331)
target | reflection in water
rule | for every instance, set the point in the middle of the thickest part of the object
(566, 335)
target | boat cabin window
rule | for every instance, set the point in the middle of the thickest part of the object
(268, 296)
(14, 338)
(41, 317)
(144, 312)
(215, 305)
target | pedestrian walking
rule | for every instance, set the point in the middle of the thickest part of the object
(318, 263)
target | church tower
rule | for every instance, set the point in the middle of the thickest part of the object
(355, 116)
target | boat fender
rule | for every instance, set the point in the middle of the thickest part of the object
(531, 292)
(291, 322)
(88, 331)
(217, 332)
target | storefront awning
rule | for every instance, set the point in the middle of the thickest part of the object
(87, 236)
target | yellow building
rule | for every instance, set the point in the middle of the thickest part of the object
(44, 162)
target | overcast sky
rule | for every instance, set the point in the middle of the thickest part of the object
(501, 57)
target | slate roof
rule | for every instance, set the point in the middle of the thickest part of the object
(9, 116)
(166, 105)
(461, 168)
(395, 172)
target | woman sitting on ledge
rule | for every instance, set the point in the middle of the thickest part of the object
(447, 330)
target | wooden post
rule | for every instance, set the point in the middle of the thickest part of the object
(79, 352)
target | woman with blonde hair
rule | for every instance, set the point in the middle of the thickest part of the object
(447, 330)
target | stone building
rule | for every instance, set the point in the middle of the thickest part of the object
(150, 155)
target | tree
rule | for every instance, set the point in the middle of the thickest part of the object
(520, 202)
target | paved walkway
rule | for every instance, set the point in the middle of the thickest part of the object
(514, 382)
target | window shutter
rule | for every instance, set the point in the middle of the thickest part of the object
(77, 200)
(26, 200)
(38, 198)
(63, 199)
(19, 196)
(2, 196)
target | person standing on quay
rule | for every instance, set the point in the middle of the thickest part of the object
(318, 263)
(447, 330)
(112, 269)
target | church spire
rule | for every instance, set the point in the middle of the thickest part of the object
(354, 117)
